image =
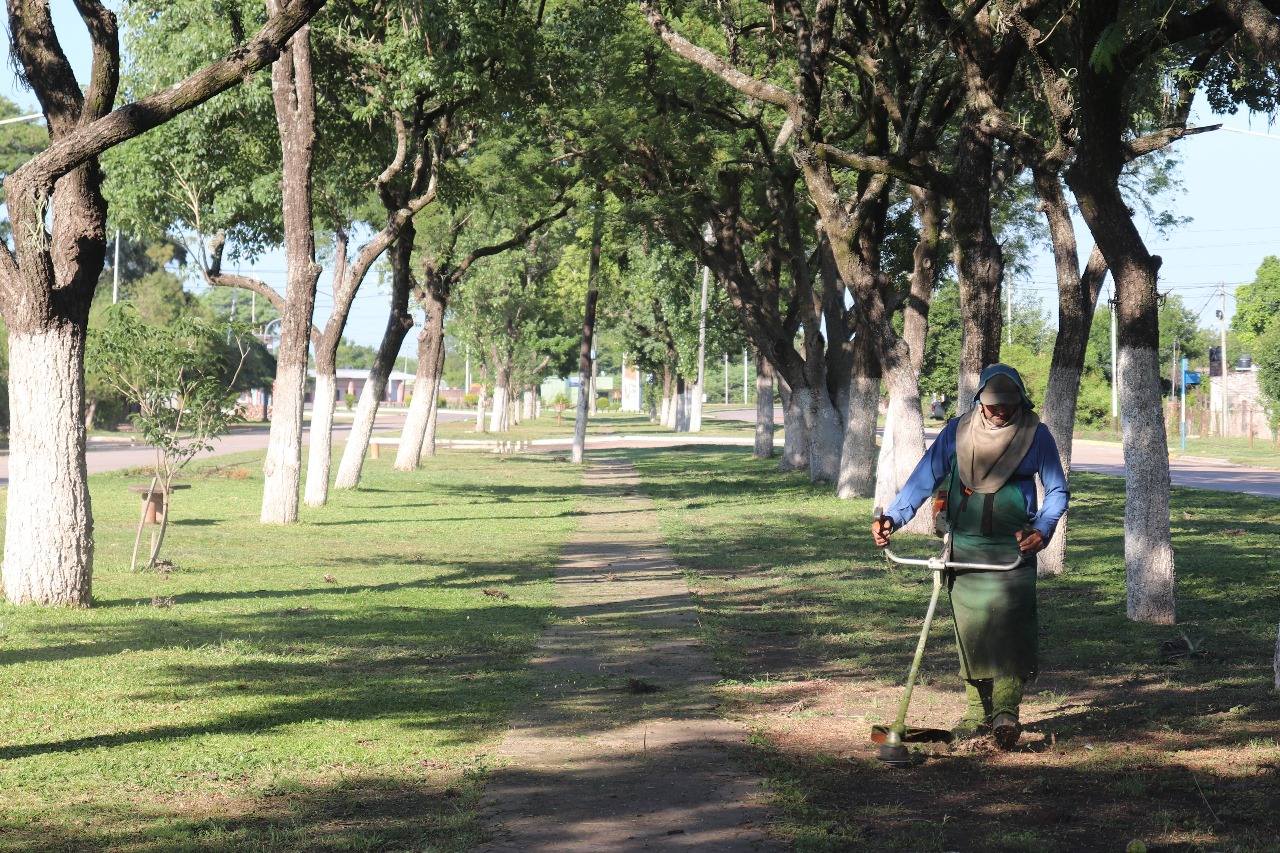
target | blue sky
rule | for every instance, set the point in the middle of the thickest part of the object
(1230, 190)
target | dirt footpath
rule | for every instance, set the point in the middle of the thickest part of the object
(623, 748)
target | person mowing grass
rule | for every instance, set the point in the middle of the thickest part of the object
(983, 465)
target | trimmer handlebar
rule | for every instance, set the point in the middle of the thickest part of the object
(939, 564)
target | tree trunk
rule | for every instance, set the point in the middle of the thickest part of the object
(764, 408)
(293, 92)
(433, 418)
(480, 402)
(924, 275)
(1148, 549)
(399, 322)
(320, 453)
(586, 364)
(592, 397)
(48, 545)
(695, 409)
(680, 420)
(979, 262)
(667, 417)
(858, 453)
(1149, 565)
(903, 444)
(795, 434)
(826, 434)
(1077, 299)
(426, 381)
(498, 421)
(529, 413)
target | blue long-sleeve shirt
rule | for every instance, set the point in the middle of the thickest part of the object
(1041, 458)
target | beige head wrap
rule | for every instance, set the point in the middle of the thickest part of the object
(987, 455)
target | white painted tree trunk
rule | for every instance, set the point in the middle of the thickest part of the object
(669, 411)
(1063, 388)
(826, 435)
(433, 420)
(48, 544)
(695, 408)
(529, 409)
(858, 454)
(480, 403)
(681, 419)
(902, 446)
(795, 435)
(498, 418)
(1148, 549)
(414, 431)
(352, 464)
(282, 469)
(764, 410)
(320, 450)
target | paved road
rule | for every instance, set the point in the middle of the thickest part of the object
(1104, 457)
(115, 455)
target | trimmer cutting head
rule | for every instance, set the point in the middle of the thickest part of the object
(893, 745)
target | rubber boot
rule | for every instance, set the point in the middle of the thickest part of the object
(1006, 699)
(977, 715)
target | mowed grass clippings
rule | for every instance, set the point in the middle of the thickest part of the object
(325, 685)
(1133, 733)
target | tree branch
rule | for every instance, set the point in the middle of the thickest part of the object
(36, 177)
(918, 174)
(708, 61)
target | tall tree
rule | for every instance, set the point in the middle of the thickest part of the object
(1115, 51)
(47, 279)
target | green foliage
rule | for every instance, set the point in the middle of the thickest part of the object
(18, 143)
(353, 355)
(1267, 359)
(1258, 304)
(173, 374)
(942, 345)
(237, 305)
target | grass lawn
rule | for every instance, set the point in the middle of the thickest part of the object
(600, 423)
(815, 637)
(328, 685)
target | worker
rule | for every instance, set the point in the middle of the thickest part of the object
(983, 466)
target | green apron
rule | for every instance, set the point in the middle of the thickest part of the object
(994, 612)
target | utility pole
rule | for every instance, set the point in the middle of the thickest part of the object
(1115, 379)
(744, 376)
(115, 272)
(1008, 324)
(1182, 407)
(1226, 406)
(1173, 379)
(695, 410)
(726, 377)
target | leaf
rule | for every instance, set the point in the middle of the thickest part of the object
(1110, 43)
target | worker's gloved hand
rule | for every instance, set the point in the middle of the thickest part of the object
(881, 530)
(1030, 541)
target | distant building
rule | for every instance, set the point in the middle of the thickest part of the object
(351, 381)
(1246, 411)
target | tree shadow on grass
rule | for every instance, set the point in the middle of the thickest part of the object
(790, 588)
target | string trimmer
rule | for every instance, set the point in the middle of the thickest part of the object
(893, 739)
